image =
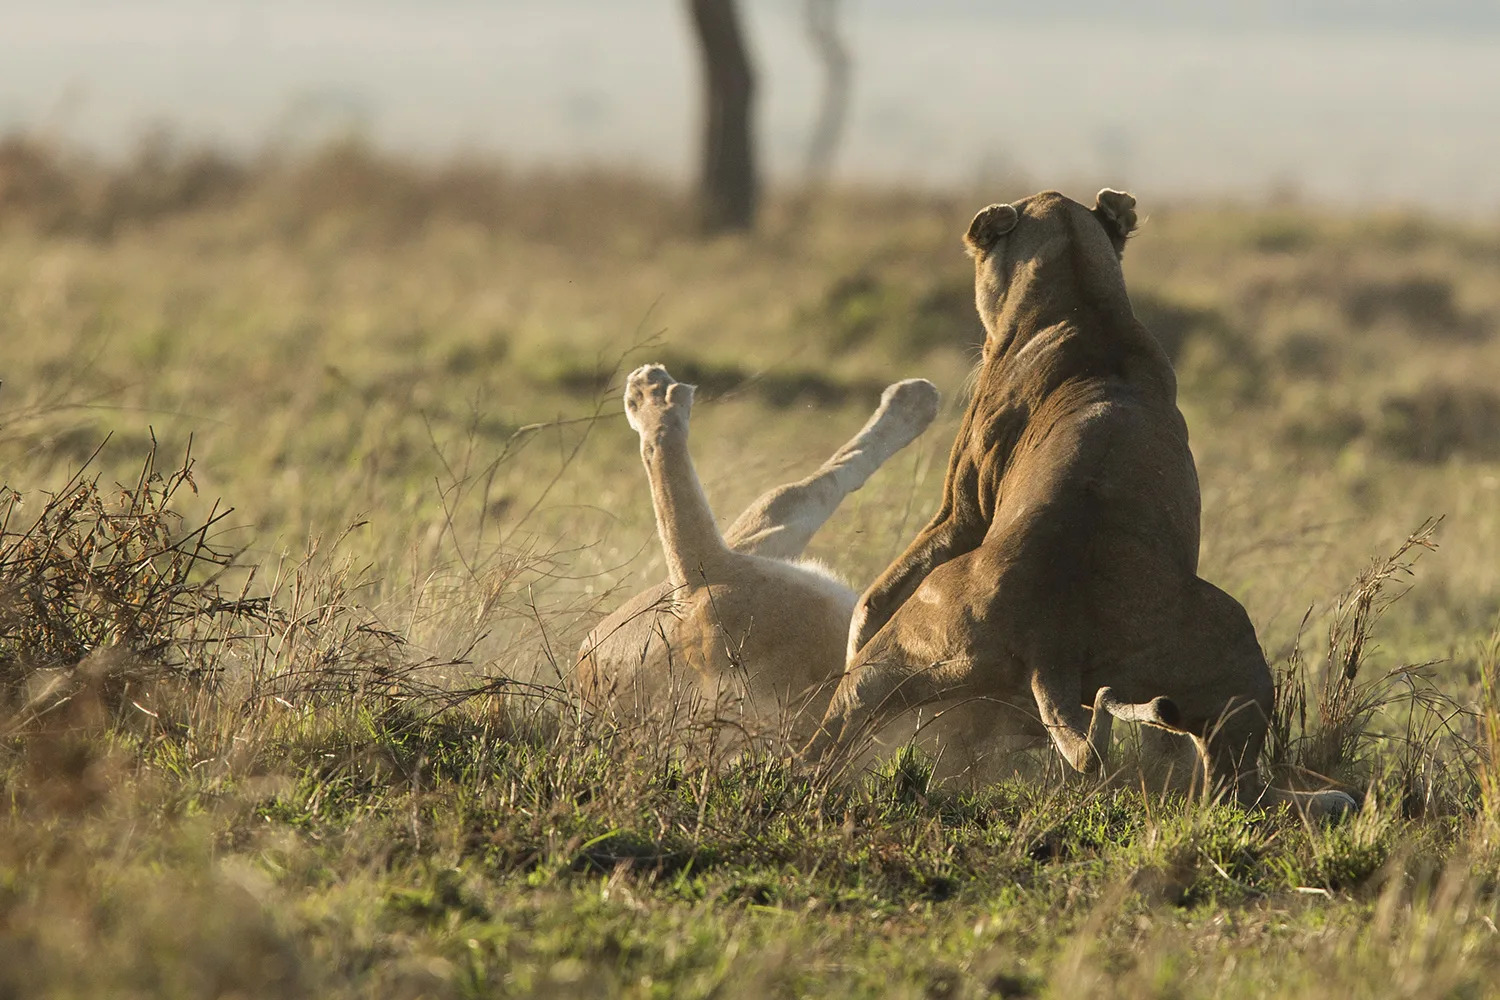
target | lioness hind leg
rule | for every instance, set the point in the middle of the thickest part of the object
(658, 407)
(781, 522)
(1222, 684)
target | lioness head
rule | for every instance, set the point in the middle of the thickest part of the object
(1049, 241)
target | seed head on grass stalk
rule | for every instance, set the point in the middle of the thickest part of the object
(1344, 701)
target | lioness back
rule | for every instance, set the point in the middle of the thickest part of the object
(1061, 567)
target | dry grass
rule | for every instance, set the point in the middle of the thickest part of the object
(1489, 730)
(321, 746)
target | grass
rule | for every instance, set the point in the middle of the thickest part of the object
(316, 744)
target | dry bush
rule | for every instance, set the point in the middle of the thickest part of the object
(1423, 304)
(57, 192)
(111, 598)
(777, 388)
(36, 186)
(1440, 421)
(403, 197)
(1213, 357)
(1307, 354)
(101, 570)
(1431, 425)
(1174, 322)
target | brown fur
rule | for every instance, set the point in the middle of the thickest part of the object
(1060, 573)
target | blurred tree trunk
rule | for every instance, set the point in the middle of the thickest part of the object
(823, 31)
(727, 185)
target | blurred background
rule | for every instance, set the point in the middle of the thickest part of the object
(1337, 101)
(386, 263)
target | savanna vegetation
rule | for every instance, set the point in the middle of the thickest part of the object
(316, 473)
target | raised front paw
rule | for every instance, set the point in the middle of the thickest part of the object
(656, 403)
(909, 406)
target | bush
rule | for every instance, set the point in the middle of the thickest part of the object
(112, 578)
(1423, 304)
(1439, 422)
(902, 319)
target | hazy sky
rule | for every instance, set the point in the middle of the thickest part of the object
(1340, 99)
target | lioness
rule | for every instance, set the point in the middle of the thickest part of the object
(741, 628)
(1061, 568)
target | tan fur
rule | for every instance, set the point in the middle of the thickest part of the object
(1060, 573)
(740, 630)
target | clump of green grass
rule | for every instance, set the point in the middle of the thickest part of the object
(882, 306)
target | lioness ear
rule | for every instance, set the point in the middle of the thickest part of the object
(988, 226)
(1115, 211)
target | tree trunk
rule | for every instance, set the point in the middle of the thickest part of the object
(727, 186)
(823, 30)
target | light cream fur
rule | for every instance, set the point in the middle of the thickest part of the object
(741, 630)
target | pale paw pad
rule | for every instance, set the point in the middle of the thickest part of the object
(655, 402)
(909, 406)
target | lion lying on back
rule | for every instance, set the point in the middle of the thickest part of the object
(740, 629)
(1056, 587)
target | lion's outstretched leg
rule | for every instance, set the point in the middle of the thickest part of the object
(780, 523)
(658, 407)
(1159, 715)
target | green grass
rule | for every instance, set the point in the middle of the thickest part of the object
(473, 858)
(317, 747)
